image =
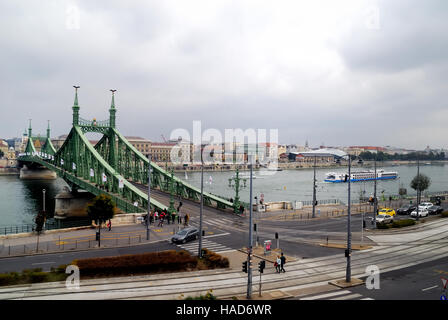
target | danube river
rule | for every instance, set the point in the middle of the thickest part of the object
(21, 199)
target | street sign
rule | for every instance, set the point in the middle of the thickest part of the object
(445, 282)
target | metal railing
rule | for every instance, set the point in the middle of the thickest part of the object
(49, 225)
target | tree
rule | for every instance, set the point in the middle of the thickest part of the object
(420, 183)
(101, 209)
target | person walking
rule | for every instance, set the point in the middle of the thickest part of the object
(282, 263)
(186, 218)
(173, 217)
(156, 214)
(151, 218)
(277, 264)
(179, 218)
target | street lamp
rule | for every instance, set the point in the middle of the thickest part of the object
(249, 249)
(43, 192)
(418, 191)
(349, 233)
(314, 189)
(149, 199)
(202, 204)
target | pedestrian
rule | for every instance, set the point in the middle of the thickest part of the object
(151, 218)
(179, 218)
(186, 218)
(282, 263)
(180, 205)
(277, 264)
(168, 217)
(156, 214)
(109, 225)
(173, 217)
(241, 210)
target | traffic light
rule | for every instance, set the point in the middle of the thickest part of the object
(245, 266)
(261, 265)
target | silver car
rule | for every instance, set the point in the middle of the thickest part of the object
(384, 218)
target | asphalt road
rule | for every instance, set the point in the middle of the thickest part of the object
(420, 282)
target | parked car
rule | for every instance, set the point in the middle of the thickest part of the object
(185, 235)
(406, 209)
(421, 212)
(388, 211)
(384, 218)
(425, 205)
(435, 209)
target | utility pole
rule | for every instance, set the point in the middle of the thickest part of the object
(349, 234)
(418, 191)
(314, 189)
(149, 198)
(375, 204)
(249, 249)
(202, 205)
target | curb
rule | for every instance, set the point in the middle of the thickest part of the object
(79, 250)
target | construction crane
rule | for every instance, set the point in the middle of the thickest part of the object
(164, 140)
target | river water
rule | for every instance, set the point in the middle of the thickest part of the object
(21, 199)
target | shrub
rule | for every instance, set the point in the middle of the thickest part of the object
(214, 260)
(164, 261)
(444, 214)
(7, 279)
(382, 226)
(207, 296)
(403, 223)
(36, 277)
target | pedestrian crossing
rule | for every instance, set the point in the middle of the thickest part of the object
(336, 295)
(211, 222)
(192, 247)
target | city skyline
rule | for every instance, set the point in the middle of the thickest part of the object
(351, 73)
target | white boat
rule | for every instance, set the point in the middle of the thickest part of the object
(361, 176)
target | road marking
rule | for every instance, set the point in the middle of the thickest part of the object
(217, 235)
(429, 288)
(367, 299)
(326, 295)
(349, 297)
(34, 264)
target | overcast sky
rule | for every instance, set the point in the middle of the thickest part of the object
(347, 72)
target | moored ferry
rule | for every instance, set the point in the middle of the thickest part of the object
(361, 176)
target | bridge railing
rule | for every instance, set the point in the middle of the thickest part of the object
(93, 122)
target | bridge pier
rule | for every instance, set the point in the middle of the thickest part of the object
(36, 173)
(71, 204)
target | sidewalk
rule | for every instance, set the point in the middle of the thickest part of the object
(81, 238)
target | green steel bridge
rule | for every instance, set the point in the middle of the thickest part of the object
(113, 166)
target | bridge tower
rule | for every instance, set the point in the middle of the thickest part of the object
(111, 133)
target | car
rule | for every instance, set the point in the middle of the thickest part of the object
(384, 218)
(185, 235)
(435, 209)
(421, 212)
(388, 211)
(425, 205)
(406, 209)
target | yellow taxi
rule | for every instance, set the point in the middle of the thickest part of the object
(388, 211)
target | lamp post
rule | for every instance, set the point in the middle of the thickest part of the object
(375, 203)
(418, 191)
(249, 249)
(349, 233)
(314, 189)
(202, 204)
(43, 192)
(149, 199)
